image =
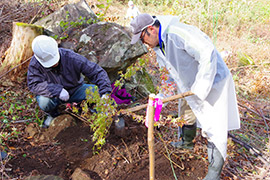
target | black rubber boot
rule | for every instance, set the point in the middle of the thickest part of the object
(216, 162)
(187, 133)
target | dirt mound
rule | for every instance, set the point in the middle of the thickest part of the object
(120, 158)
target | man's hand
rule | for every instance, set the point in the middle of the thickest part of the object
(64, 95)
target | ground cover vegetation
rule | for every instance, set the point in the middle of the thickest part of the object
(240, 31)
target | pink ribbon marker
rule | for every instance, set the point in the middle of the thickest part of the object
(158, 104)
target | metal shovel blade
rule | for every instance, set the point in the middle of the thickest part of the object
(120, 126)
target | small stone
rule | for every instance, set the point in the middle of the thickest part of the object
(79, 174)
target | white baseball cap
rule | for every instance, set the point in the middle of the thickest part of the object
(130, 3)
(138, 24)
(45, 50)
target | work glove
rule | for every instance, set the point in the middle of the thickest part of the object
(64, 95)
(105, 96)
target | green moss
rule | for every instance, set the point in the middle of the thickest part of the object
(35, 28)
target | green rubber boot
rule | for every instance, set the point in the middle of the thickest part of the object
(188, 133)
(216, 162)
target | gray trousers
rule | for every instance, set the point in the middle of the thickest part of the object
(185, 111)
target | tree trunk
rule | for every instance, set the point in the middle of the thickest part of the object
(20, 48)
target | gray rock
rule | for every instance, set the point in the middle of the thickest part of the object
(79, 174)
(105, 43)
(68, 13)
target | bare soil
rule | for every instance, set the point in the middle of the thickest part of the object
(121, 158)
(66, 145)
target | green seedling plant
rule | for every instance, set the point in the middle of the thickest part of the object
(15, 107)
(130, 71)
(8, 132)
(167, 88)
(101, 119)
(67, 25)
(105, 108)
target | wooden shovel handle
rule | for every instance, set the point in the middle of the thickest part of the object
(171, 98)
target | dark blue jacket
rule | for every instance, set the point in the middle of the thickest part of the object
(49, 82)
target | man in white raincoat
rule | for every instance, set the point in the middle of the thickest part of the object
(196, 66)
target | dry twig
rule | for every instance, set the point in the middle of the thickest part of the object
(251, 149)
(129, 154)
(77, 116)
(121, 154)
(182, 168)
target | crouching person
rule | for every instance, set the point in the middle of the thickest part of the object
(54, 76)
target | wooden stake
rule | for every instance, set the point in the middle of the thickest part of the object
(150, 138)
(150, 116)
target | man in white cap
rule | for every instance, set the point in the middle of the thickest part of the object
(54, 76)
(195, 65)
(132, 11)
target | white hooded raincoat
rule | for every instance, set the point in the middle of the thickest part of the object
(196, 66)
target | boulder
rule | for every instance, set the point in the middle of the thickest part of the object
(105, 43)
(53, 23)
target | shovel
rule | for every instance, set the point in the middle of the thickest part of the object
(119, 123)
(171, 98)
